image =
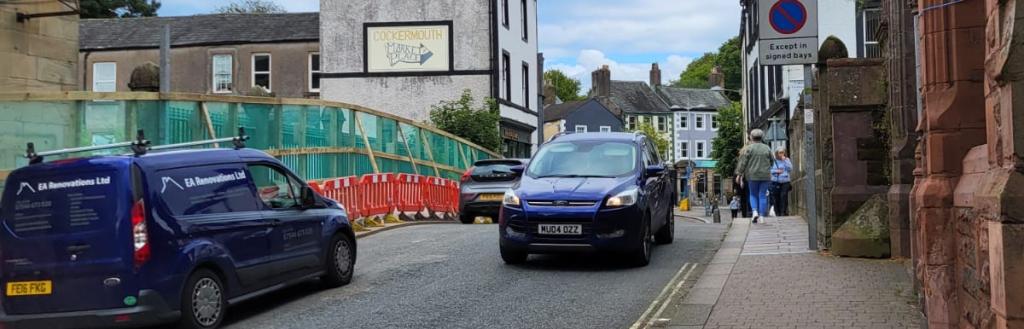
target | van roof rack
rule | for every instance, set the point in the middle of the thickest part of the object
(140, 146)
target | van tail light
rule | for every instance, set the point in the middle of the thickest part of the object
(140, 235)
(465, 175)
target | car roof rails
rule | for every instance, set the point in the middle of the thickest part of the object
(140, 146)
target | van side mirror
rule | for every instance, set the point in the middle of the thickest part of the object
(308, 198)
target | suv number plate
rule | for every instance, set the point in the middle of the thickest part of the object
(560, 229)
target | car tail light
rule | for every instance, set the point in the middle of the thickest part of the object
(465, 176)
(140, 235)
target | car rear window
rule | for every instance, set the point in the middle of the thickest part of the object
(205, 190)
(494, 170)
(65, 203)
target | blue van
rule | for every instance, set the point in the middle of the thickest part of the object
(590, 192)
(176, 236)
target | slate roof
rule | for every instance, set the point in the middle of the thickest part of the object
(693, 99)
(635, 97)
(560, 111)
(145, 32)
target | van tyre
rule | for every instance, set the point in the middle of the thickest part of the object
(667, 232)
(641, 255)
(341, 261)
(203, 302)
(512, 256)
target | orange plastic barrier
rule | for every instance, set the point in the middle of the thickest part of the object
(316, 187)
(453, 195)
(376, 194)
(439, 194)
(346, 191)
(408, 192)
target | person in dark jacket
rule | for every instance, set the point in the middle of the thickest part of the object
(781, 169)
(754, 167)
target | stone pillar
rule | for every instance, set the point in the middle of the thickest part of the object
(952, 52)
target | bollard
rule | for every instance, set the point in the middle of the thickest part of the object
(718, 216)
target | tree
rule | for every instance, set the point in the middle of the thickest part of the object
(251, 7)
(659, 140)
(696, 73)
(460, 118)
(727, 57)
(118, 8)
(725, 148)
(567, 89)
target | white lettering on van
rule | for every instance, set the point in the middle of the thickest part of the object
(191, 182)
(80, 182)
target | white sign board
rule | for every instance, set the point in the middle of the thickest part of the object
(788, 33)
(408, 48)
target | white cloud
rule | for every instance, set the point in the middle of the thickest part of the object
(589, 60)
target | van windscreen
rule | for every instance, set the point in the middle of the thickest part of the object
(55, 204)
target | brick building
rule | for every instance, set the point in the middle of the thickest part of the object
(39, 53)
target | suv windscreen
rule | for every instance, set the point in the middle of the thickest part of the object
(584, 159)
(494, 170)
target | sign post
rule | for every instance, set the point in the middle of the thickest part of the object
(791, 38)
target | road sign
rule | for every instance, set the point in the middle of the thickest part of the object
(789, 32)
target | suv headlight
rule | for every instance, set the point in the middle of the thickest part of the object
(624, 198)
(510, 199)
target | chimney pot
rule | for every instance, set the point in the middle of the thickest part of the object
(601, 81)
(655, 76)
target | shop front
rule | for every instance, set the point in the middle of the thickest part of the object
(516, 141)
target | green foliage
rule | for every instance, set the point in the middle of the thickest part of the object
(251, 7)
(567, 89)
(460, 118)
(118, 8)
(696, 74)
(725, 148)
(728, 57)
(659, 140)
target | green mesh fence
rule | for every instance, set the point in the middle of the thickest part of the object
(316, 141)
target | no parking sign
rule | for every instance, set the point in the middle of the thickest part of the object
(788, 32)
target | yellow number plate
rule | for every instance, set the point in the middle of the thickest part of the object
(28, 288)
(490, 197)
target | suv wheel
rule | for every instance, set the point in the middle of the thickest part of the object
(667, 232)
(466, 218)
(203, 302)
(512, 257)
(641, 256)
(340, 262)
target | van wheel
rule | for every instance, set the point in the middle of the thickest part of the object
(466, 218)
(203, 303)
(667, 232)
(340, 262)
(512, 257)
(641, 255)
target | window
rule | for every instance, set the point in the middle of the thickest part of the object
(222, 73)
(104, 77)
(261, 71)
(314, 72)
(662, 123)
(684, 120)
(700, 149)
(871, 22)
(504, 19)
(276, 189)
(684, 149)
(581, 129)
(698, 122)
(526, 21)
(526, 85)
(714, 122)
(631, 122)
(606, 129)
(229, 195)
(507, 70)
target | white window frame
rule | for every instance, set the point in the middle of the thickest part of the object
(701, 150)
(112, 81)
(268, 72)
(698, 122)
(231, 73)
(581, 127)
(684, 121)
(606, 129)
(631, 122)
(714, 122)
(684, 149)
(311, 72)
(660, 124)
(864, 27)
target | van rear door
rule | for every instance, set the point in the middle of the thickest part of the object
(65, 237)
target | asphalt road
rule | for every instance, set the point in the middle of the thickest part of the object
(451, 276)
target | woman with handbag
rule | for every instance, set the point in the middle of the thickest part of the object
(781, 169)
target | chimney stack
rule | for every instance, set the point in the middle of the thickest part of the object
(655, 76)
(716, 78)
(550, 94)
(601, 79)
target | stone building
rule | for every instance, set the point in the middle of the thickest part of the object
(216, 54)
(589, 115)
(402, 57)
(38, 46)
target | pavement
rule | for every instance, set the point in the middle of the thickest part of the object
(451, 276)
(763, 276)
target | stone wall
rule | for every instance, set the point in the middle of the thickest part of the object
(39, 54)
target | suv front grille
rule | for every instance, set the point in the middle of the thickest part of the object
(561, 203)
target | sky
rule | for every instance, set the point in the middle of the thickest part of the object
(579, 36)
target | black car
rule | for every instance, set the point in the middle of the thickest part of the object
(483, 186)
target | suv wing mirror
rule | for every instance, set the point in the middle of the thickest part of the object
(654, 170)
(308, 198)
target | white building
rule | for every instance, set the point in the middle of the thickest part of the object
(401, 57)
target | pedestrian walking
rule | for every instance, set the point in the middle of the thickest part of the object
(781, 169)
(734, 205)
(754, 167)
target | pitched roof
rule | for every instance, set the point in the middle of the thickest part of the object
(559, 111)
(635, 97)
(693, 99)
(145, 32)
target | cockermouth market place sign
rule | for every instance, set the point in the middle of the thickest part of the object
(410, 47)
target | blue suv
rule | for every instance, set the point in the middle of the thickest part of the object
(605, 192)
(178, 236)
